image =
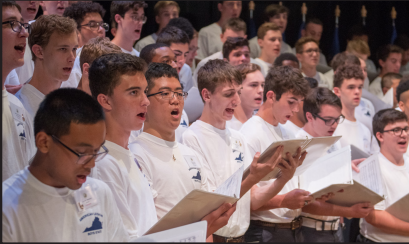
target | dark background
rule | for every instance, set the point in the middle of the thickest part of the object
(378, 21)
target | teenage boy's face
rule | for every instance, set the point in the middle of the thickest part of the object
(131, 28)
(391, 142)
(165, 114)
(238, 56)
(314, 31)
(271, 43)
(230, 9)
(193, 47)
(291, 63)
(287, 106)
(280, 20)
(129, 103)
(55, 7)
(87, 33)
(392, 63)
(59, 55)
(231, 33)
(326, 112)
(82, 139)
(181, 51)
(165, 15)
(29, 9)
(13, 43)
(166, 56)
(310, 55)
(350, 92)
(252, 93)
(224, 100)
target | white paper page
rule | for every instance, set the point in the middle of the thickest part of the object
(331, 169)
(400, 209)
(388, 97)
(357, 153)
(370, 174)
(231, 187)
(195, 232)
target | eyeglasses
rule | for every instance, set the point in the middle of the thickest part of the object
(139, 19)
(311, 50)
(85, 158)
(167, 95)
(398, 131)
(330, 122)
(17, 26)
(95, 25)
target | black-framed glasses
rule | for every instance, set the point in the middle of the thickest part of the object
(398, 131)
(84, 158)
(95, 25)
(330, 122)
(311, 50)
(17, 26)
(139, 19)
(167, 95)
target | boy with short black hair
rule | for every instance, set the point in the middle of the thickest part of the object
(158, 53)
(129, 17)
(391, 129)
(236, 51)
(288, 59)
(53, 200)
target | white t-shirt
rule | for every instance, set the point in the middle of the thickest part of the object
(145, 42)
(364, 113)
(290, 126)
(357, 134)
(217, 55)
(302, 134)
(376, 88)
(35, 212)
(121, 172)
(185, 77)
(224, 151)
(263, 65)
(12, 79)
(18, 144)
(184, 124)
(76, 73)
(396, 185)
(255, 49)
(193, 104)
(31, 98)
(172, 169)
(259, 135)
(133, 52)
(370, 66)
(209, 41)
(322, 80)
(234, 123)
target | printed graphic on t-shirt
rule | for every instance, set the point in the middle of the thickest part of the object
(94, 227)
(368, 113)
(197, 177)
(183, 123)
(140, 168)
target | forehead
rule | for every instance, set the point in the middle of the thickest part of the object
(395, 56)
(184, 47)
(135, 10)
(57, 39)
(242, 49)
(310, 45)
(92, 16)
(327, 110)
(278, 15)
(169, 8)
(313, 26)
(254, 76)
(136, 80)
(231, 33)
(163, 51)
(272, 33)
(10, 13)
(289, 95)
(352, 81)
(228, 3)
(226, 85)
(164, 81)
(400, 123)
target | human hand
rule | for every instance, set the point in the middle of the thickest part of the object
(296, 199)
(355, 162)
(219, 217)
(360, 210)
(289, 165)
(258, 170)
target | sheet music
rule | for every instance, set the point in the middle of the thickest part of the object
(231, 187)
(357, 153)
(400, 208)
(195, 232)
(370, 174)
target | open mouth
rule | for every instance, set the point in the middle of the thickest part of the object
(141, 115)
(138, 31)
(31, 10)
(81, 179)
(402, 143)
(175, 113)
(20, 48)
(230, 110)
(288, 116)
(60, 8)
(67, 69)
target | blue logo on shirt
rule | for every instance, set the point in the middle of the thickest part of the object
(239, 159)
(368, 114)
(96, 225)
(198, 176)
(183, 123)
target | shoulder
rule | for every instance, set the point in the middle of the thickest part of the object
(209, 29)
(363, 128)
(13, 187)
(14, 99)
(108, 169)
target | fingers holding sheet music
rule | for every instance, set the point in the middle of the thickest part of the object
(259, 170)
(355, 162)
(290, 164)
(296, 199)
(325, 198)
(359, 210)
(219, 217)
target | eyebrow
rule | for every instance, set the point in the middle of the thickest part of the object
(295, 98)
(168, 88)
(83, 144)
(13, 18)
(133, 88)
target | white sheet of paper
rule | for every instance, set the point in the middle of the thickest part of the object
(231, 187)
(400, 209)
(195, 232)
(370, 174)
(328, 171)
(357, 153)
(388, 97)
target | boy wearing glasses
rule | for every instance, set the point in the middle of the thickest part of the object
(321, 221)
(52, 199)
(348, 83)
(391, 129)
(308, 53)
(17, 137)
(129, 17)
(53, 43)
(88, 16)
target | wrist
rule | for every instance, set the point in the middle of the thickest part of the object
(253, 179)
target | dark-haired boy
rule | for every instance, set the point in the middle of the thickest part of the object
(279, 219)
(391, 129)
(53, 200)
(226, 150)
(321, 221)
(287, 59)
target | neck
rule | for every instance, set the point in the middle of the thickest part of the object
(123, 42)
(243, 114)
(42, 81)
(395, 158)
(38, 169)
(164, 135)
(266, 113)
(348, 112)
(268, 59)
(383, 72)
(309, 71)
(208, 117)
(159, 30)
(222, 21)
(116, 133)
(309, 129)
(297, 121)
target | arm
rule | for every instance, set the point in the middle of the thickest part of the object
(388, 223)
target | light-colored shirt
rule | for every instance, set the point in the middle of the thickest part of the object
(290, 126)
(31, 98)
(145, 42)
(12, 79)
(263, 65)
(209, 41)
(322, 80)
(234, 123)
(133, 52)
(376, 88)
(185, 77)
(255, 49)
(364, 113)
